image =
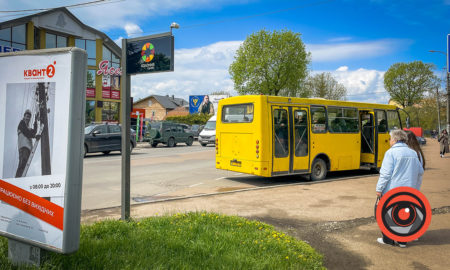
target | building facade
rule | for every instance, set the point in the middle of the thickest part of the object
(60, 28)
(158, 107)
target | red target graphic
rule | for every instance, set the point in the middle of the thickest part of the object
(403, 214)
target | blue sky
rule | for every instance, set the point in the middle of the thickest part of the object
(357, 41)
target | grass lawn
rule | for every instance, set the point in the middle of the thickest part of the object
(183, 241)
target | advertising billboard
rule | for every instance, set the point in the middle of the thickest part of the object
(200, 103)
(42, 104)
(150, 54)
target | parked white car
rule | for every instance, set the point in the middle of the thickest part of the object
(208, 134)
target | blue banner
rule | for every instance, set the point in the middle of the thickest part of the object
(194, 103)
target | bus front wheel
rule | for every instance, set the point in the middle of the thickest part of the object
(318, 170)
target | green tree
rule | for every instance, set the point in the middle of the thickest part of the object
(271, 63)
(406, 83)
(323, 85)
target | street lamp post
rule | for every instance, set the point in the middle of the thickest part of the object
(448, 88)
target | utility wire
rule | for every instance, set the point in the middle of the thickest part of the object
(17, 13)
(43, 9)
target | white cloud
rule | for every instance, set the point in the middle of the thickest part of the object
(197, 71)
(362, 85)
(204, 70)
(357, 50)
(132, 29)
(340, 39)
(343, 68)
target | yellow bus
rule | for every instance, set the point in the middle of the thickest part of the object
(271, 135)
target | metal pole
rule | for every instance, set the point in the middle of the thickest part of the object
(125, 108)
(45, 144)
(438, 110)
(448, 102)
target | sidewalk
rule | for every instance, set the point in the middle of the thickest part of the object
(335, 217)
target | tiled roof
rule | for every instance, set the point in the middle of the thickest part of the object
(168, 102)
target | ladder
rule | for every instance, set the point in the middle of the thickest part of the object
(30, 158)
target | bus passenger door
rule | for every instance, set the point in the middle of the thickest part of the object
(382, 135)
(300, 144)
(280, 140)
(368, 139)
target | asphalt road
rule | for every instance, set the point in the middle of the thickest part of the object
(163, 173)
(334, 216)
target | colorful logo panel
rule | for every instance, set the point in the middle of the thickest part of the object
(148, 52)
(403, 214)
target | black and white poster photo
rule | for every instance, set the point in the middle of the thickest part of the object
(28, 129)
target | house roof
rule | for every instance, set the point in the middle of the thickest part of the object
(110, 43)
(167, 102)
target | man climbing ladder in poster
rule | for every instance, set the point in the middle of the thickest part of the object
(25, 142)
(26, 134)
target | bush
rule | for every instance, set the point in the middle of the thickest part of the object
(191, 119)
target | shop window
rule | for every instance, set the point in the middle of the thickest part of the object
(91, 51)
(13, 37)
(19, 34)
(37, 39)
(110, 111)
(5, 34)
(106, 54)
(90, 111)
(80, 43)
(90, 47)
(61, 42)
(50, 41)
(90, 85)
(5, 43)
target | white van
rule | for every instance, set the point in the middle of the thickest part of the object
(208, 134)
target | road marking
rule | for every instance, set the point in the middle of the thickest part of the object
(194, 185)
(219, 178)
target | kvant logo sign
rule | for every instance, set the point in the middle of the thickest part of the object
(40, 73)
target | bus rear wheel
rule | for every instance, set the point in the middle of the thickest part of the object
(318, 170)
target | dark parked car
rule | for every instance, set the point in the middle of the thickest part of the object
(105, 138)
(196, 129)
(421, 140)
(168, 133)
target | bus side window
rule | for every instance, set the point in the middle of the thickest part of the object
(280, 133)
(393, 120)
(381, 121)
(318, 119)
(301, 133)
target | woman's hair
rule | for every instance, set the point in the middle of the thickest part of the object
(414, 145)
(444, 130)
(399, 135)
